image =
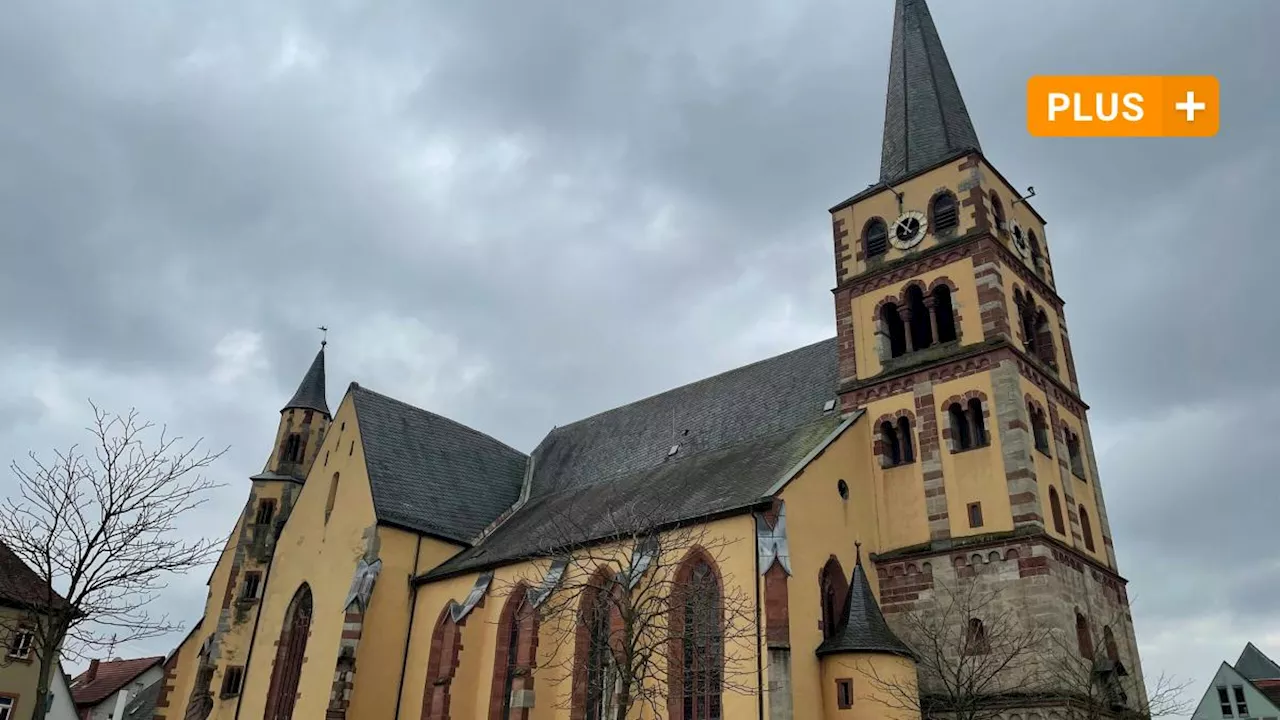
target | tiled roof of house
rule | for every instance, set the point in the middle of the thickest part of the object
(734, 436)
(108, 677)
(431, 474)
(21, 586)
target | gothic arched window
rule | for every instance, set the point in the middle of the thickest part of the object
(832, 587)
(697, 634)
(1085, 528)
(601, 671)
(944, 213)
(875, 237)
(944, 314)
(1083, 639)
(894, 329)
(290, 651)
(976, 638)
(1055, 509)
(442, 663)
(514, 658)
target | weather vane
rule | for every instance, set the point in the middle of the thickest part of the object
(324, 340)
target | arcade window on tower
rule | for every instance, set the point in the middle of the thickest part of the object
(266, 512)
(968, 427)
(292, 449)
(917, 322)
(896, 447)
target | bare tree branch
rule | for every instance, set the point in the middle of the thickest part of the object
(100, 528)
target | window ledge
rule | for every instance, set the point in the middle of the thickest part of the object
(895, 466)
(1044, 452)
(984, 446)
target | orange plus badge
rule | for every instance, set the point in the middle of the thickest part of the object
(1122, 106)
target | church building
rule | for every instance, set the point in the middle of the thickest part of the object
(765, 543)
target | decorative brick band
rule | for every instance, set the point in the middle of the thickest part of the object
(845, 337)
(840, 236)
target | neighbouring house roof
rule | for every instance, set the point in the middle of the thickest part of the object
(110, 676)
(143, 705)
(862, 627)
(21, 586)
(431, 474)
(310, 393)
(1255, 665)
(735, 435)
(925, 120)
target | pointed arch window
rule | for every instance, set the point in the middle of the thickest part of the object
(1109, 638)
(290, 651)
(601, 670)
(514, 658)
(875, 237)
(1083, 639)
(1086, 529)
(442, 663)
(292, 449)
(943, 212)
(697, 634)
(1055, 510)
(976, 638)
(833, 587)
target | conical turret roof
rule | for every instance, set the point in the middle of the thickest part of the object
(310, 394)
(925, 119)
(862, 627)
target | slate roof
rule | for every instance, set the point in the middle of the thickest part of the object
(20, 585)
(143, 705)
(862, 626)
(1255, 665)
(738, 433)
(431, 474)
(925, 120)
(310, 393)
(111, 676)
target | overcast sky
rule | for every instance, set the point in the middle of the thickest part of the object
(519, 213)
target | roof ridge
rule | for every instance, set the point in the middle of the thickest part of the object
(695, 383)
(355, 386)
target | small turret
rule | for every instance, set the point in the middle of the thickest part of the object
(304, 420)
(865, 667)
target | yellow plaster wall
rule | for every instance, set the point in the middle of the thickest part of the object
(975, 475)
(965, 303)
(899, 491)
(17, 677)
(821, 524)
(471, 687)
(386, 623)
(187, 656)
(871, 676)
(917, 193)
(324, 555)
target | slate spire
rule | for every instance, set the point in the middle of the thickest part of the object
(925, 120)
(862, 627)
(310, 394)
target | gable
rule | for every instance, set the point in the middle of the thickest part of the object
(430, 474)
(1255, 665)
(1257, 704)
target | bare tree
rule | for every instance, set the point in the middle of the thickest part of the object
(1093, 682)
(100, 528)
(975, 654)
(628, 619)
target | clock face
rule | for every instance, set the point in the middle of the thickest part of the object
(1019, 239)
(909, 230)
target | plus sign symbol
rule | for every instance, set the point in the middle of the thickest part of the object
(1190, 106)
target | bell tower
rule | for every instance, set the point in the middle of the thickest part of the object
(303, 424)
(952, 338)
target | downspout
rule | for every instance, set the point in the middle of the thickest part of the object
(759, 636)
(408, 635)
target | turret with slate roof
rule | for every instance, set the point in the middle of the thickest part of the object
(862, 626)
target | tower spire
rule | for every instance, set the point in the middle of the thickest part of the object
(310, 394)
(862, 627)
(925, 119)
